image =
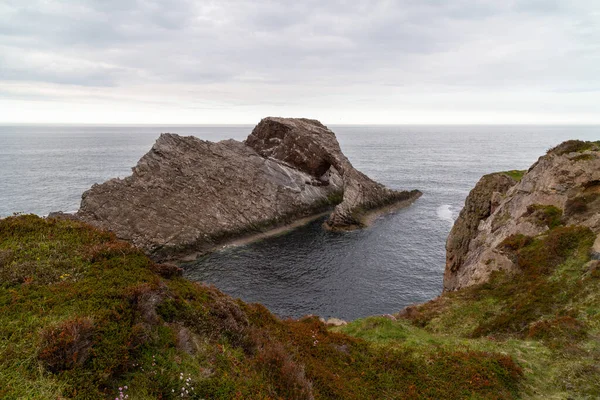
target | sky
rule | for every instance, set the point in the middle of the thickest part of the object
(342, 62)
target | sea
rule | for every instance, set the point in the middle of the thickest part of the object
(397, 261)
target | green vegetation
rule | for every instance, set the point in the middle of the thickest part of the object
(584, 157)
(516, 174)
(574, 146)
(83, 315)
(546, 315)
(335, 198)
(585, 203)
(547, 215)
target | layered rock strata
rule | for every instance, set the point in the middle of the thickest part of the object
(188, 195)
(562, 187)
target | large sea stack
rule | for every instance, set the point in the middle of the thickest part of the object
(502, 213)
(187, 195)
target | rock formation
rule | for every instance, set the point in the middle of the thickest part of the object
(312, 148)
(188, 195)
(561, 187)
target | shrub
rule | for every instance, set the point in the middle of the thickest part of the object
(580, 204)
(515, 174)
(108, 250)
(67, 345)
(545, 214)
(532, 295)
(560, 329)
(515, 242)
(167, 270)
(571, 146)
(286, 375)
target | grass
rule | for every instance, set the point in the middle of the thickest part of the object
(546, 316)
(574, 146)
(547, 215)
(515, 174)
(83, 315)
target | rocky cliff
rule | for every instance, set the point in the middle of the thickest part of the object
(187, 195)
(561, 188)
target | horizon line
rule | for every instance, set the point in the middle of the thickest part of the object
(330, 124)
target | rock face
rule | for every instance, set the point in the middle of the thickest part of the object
(312, 148)
(478, 207)
(188, 195)
(561, 187)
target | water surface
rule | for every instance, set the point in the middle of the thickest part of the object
(397, 261)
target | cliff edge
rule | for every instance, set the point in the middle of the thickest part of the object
(561, 188)
(188, 195)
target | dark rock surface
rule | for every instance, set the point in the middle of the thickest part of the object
(188, 195)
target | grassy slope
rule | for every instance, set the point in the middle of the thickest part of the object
(547, 317)
(82, 314)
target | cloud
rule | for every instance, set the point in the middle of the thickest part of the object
(269, 52)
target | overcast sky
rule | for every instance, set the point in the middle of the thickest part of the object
(228, 61)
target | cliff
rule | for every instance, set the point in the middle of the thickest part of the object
(523, 275)
(188, 195)
(561, 188)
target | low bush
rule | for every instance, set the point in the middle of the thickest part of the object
(572, 146)
(67, 345)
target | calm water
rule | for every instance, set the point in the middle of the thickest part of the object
(397, 261)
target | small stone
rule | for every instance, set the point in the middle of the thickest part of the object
(336, 322)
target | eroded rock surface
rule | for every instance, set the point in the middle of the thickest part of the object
(310, 147)
(481, 202)
(187, 195)
(561, 187)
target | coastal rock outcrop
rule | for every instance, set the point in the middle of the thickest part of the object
(188, 195)
(312, 148)
(562, 187)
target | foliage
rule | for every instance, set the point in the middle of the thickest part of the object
(546, 314)
(83, 315)
(573, 146)
(516, 174)
(547, 215)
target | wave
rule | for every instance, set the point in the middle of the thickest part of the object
(445, 213)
